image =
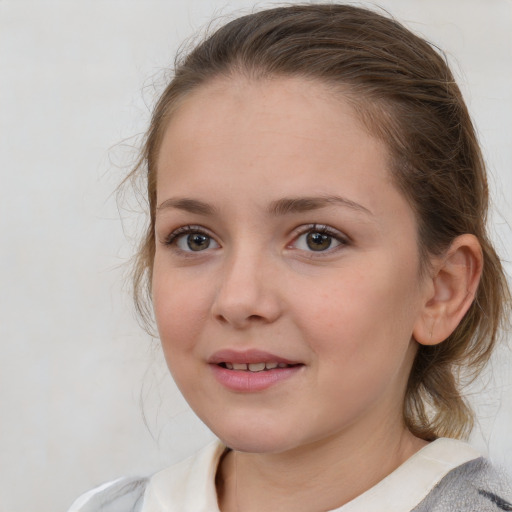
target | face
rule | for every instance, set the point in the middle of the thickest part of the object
(286, 276)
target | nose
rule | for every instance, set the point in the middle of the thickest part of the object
(248, 292)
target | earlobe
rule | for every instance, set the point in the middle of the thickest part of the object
(450, 290)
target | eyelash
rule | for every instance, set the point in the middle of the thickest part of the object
(322, 229)
(173, 238)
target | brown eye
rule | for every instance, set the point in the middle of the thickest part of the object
(191, 239)
(198, 241)
(318, 241)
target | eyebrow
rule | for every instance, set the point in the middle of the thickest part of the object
(187, 205)
(284, 206)
(304, 204)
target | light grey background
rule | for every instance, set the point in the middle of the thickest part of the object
(75, 80)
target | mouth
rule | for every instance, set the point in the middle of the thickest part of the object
(249, 371)
(255, 367)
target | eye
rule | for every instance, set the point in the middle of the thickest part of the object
(191, 239)
(194, 242)
(319, 239)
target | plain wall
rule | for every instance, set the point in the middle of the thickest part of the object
(76, 80)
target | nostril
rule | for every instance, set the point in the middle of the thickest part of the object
(245, 305)
(221, 319)
(255, 317)
(249, 319)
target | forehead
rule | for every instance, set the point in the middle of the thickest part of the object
(289, 133)
(274, 101)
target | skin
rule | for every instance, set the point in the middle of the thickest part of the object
(347, 314)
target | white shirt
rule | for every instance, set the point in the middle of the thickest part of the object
(189, 486)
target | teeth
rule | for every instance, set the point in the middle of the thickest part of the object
(254, 367)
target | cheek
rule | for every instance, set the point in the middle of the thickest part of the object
(179, 309)
(366, 316)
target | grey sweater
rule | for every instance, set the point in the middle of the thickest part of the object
(475, 486)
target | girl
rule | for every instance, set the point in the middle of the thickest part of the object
(319, 269)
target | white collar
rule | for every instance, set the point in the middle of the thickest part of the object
(409, 484)
(190, 485)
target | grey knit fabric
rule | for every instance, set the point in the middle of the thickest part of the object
(473, 487)
(125, 495)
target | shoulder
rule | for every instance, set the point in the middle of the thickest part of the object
(123, 494)
(475, 486)
(447, 475)
(187, 485)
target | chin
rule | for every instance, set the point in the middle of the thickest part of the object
(256, 436)
(256, 444)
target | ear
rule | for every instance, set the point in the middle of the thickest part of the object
(449, 290)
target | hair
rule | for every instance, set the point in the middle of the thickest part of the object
(405, 94)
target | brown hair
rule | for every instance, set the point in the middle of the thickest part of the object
(405, 94)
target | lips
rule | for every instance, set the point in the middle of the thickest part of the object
(249, 357)
(251, 370)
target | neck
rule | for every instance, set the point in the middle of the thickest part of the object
(319, 476)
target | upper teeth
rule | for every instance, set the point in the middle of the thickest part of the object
(255, 367)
